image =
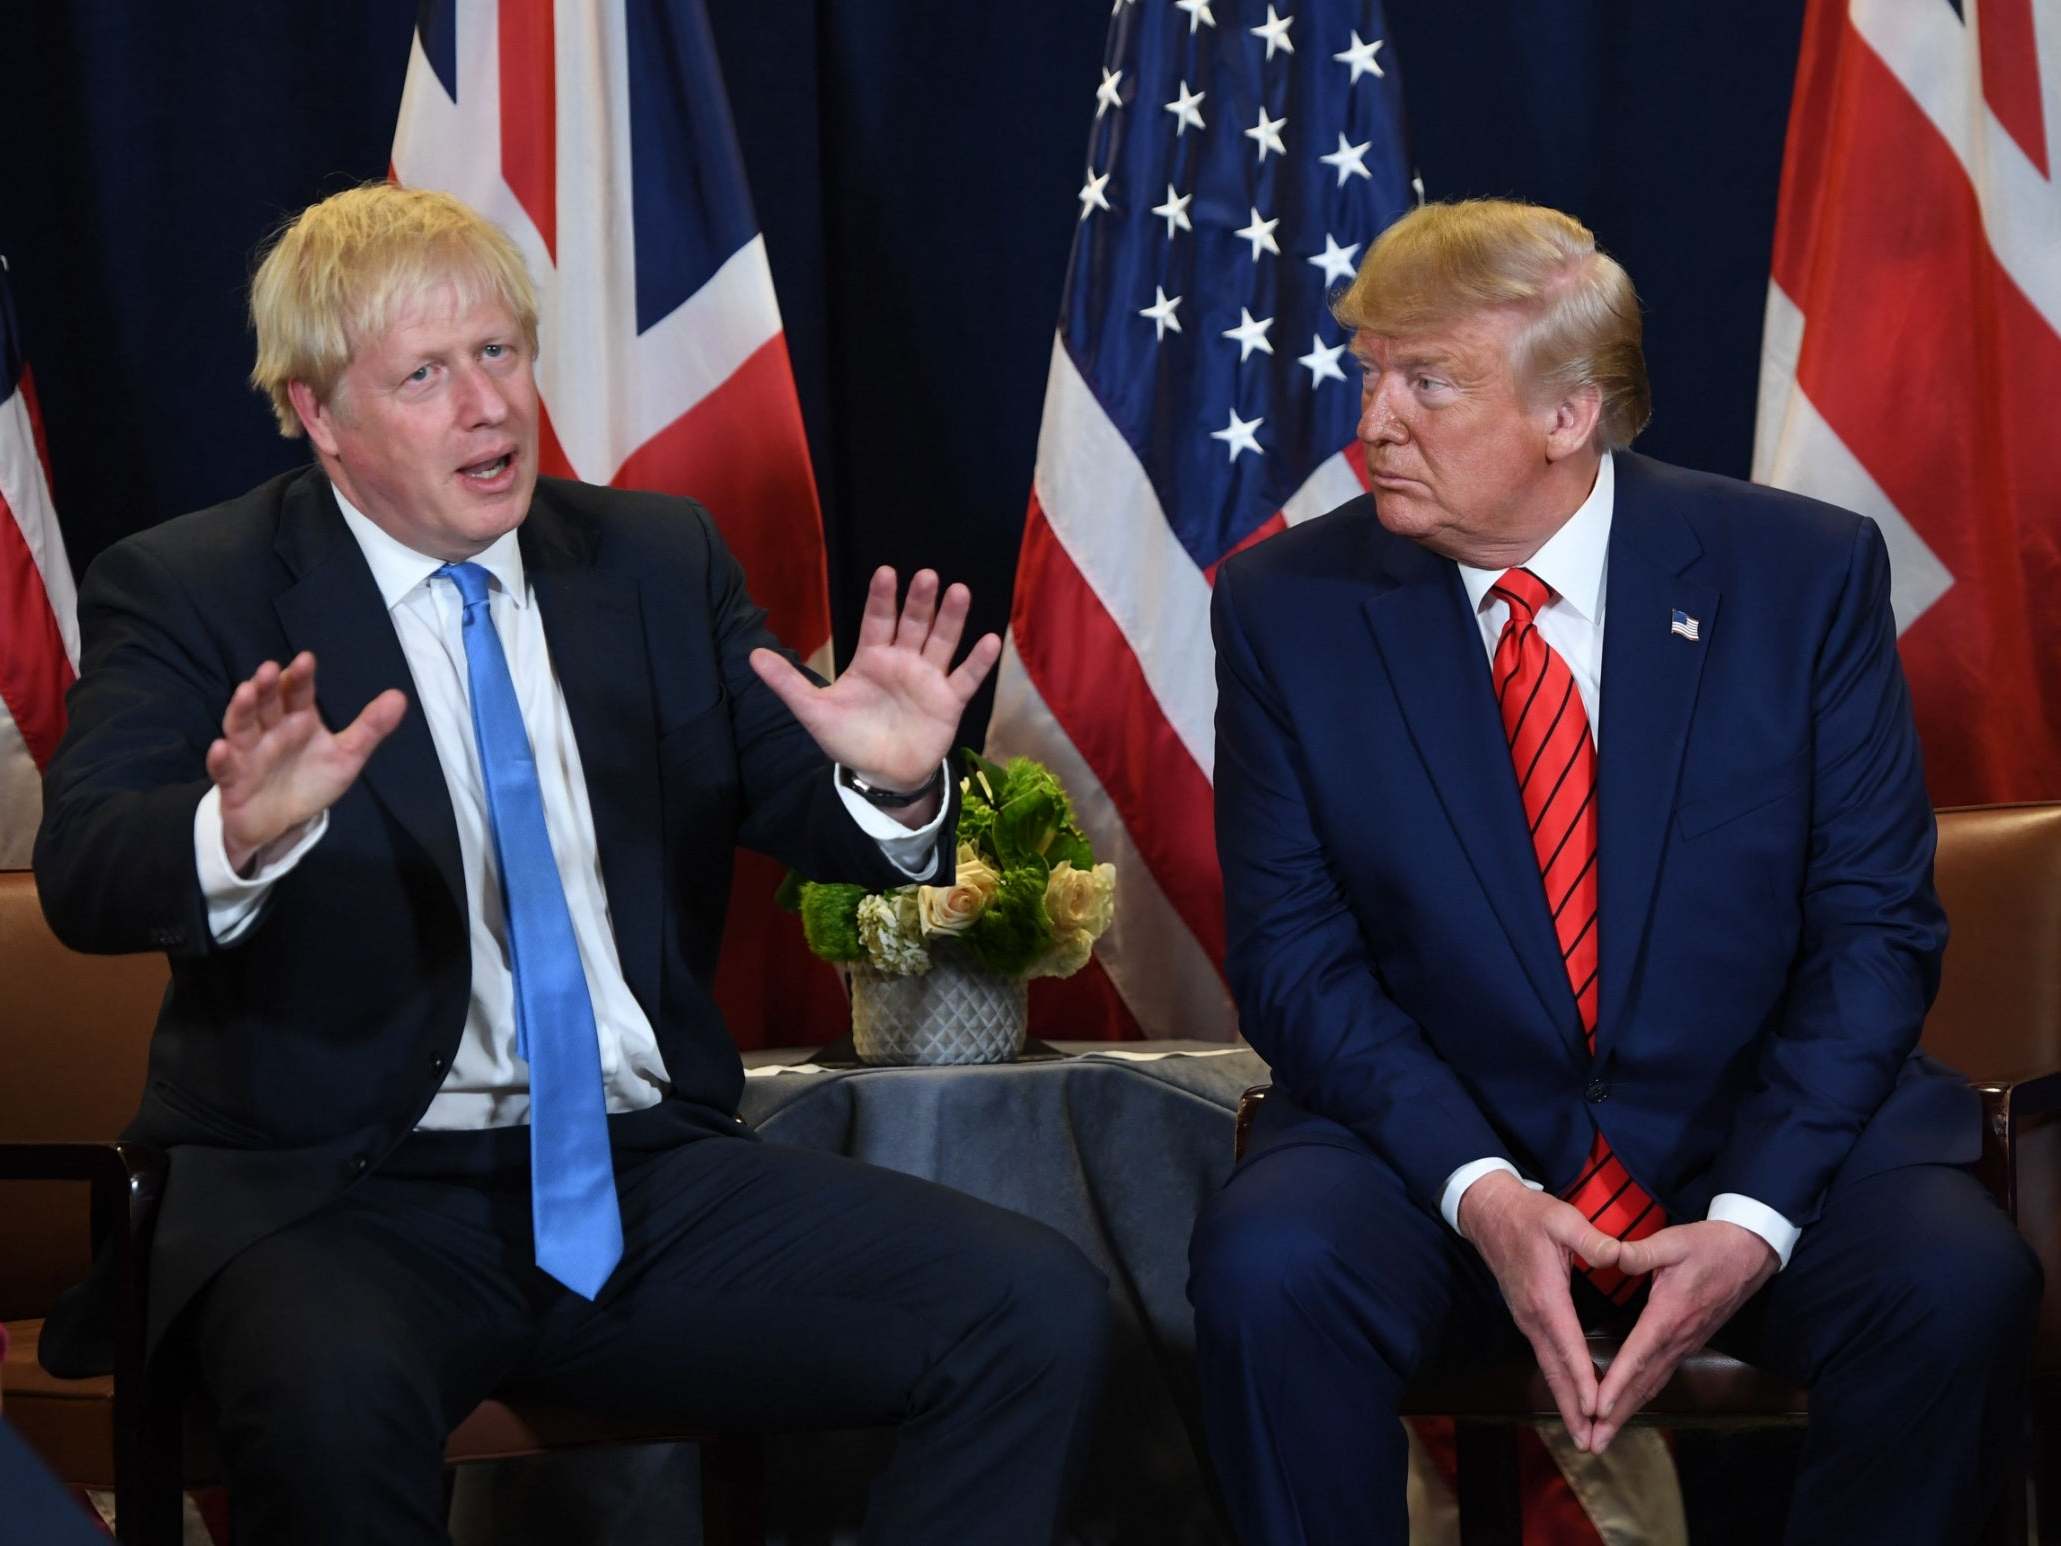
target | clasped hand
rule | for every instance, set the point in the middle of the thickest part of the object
(894, 711)
(1702, 1274)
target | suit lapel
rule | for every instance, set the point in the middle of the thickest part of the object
(334, 609)
(593, 622)
(1650, 681)
(1433, 653)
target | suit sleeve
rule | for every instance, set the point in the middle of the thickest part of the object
(1873, 930)
(1309, 997)
(114, 854)
(793, 810)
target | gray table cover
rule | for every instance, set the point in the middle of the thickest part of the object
(1116, 1153)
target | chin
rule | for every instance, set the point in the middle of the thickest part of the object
(1403, 514)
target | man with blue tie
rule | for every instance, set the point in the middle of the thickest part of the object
(1578, 865)
(448, 1105)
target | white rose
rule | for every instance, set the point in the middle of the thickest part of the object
(1081, 901)
(952, 909)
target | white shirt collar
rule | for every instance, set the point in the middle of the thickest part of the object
(397, 568)
(1573, 559)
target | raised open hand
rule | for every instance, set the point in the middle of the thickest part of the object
(893, 713)
(1529, 1240)
(277, 765)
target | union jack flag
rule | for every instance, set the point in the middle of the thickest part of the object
(598, 135)
(1199, 400)
(1911, 361)
(39, 625)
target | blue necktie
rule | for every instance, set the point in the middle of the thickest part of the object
(579, 1227)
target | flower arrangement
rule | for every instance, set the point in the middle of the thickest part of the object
(1027, 899)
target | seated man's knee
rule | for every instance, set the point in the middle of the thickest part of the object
(1044, 1304)
(1280, 1282)
(1967, 1290)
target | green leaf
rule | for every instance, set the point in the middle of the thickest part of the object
(1069, 847)
(1025, 827)
(989, 778)
(788, 897)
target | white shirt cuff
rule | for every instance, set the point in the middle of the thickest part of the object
(1736, 1208)
(1458, 1182)
(234, 901)
(912, 850)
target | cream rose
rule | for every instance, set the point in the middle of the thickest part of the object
(1081, 901)
(952, 909)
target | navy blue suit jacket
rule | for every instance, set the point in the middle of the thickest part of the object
(1770, 939)
(288, 1064)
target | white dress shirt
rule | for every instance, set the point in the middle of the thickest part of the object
(1574, 563)
(488, 1085)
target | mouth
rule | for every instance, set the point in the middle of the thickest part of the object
(489, 472)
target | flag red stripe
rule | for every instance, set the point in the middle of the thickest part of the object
(1356, 458)
(529, 114)
(2011, 74)
(34, 669)
(1277, 522)
(743, 453)
(1902, 294)
(1082, 666)
(1808, 149)
(27, 387)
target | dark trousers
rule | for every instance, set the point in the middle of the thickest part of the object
(760, 1287)
(1321, 1288)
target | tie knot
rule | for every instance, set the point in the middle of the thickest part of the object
(1524, 591)
(470, 579)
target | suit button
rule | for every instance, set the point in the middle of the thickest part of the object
(358, 1164)
(1598, 1090)
(438, 1064)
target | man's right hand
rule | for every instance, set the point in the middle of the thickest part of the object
(1529, 1240)
(277, 765)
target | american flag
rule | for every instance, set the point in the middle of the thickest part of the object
(598, 135)
(1239, 162)
(39, 625)
(1911, 361)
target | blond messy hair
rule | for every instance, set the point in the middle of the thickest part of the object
(342, 270)
(1444, 262)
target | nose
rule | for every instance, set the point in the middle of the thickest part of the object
(1379, 422)
(480, 400)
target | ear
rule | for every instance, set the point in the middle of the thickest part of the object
(1573, 426)
(317, 417)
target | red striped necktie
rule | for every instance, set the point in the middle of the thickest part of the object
(1555, 763)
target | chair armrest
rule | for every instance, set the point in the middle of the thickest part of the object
(2009, 1107)
(127, 1179)
(127, 1182)
(1248, 1107)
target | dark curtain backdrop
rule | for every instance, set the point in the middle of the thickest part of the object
(914, 164)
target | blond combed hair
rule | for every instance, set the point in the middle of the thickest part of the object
(342, 271)
(1441, 263)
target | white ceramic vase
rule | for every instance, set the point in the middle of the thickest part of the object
(954, 1013)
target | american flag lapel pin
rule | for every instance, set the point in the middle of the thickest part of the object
(1686, 626)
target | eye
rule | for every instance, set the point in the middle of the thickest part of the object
(494, 351)
(419, 374)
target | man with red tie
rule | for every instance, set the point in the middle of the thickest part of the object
(1578, 865)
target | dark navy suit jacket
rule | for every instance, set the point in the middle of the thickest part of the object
(286, 1065)
(1770, 938)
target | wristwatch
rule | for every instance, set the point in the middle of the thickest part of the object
(891, 799)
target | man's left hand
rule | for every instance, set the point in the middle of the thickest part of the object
(1702, 1273)
(892, 714)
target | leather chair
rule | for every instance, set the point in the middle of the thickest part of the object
(76, 1032)
(1998, 1020)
